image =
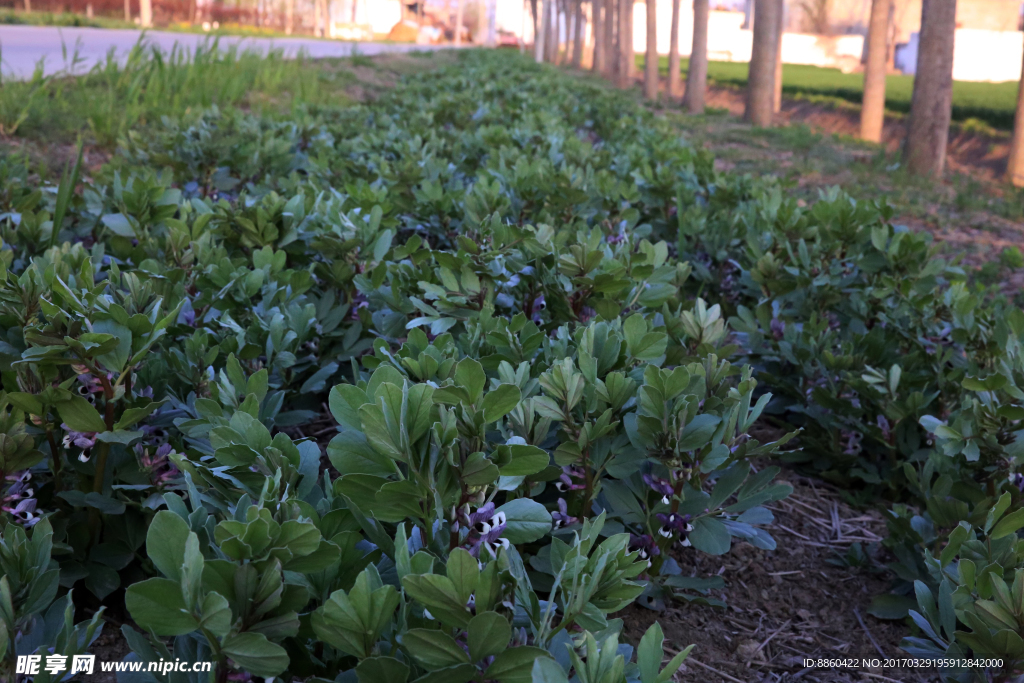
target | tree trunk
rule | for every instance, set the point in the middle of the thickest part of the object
(570, 31)
(697, 77)
(777, 99)
(597, 11)
(579, 33)
(1015, 166)
(651, 58)
(481, 21)
(631, 53)
(458, 23)
(872, 111)
(146, 13)
(552, 39)
(127, 9)
(675, 78)
(761, 81)
(931, 103)
(289, 17)
(627, 57)
(536, 19)
(611, 28)
(539, 47)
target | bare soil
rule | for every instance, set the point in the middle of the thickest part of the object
(800, 601)
(973, 215)
(980, 153)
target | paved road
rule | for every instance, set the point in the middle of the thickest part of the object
(21, 47)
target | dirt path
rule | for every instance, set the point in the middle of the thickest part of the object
(807, 599)
(983, 154)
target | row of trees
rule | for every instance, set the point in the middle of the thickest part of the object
(612, 55)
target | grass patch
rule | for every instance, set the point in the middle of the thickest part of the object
(991, 103)
(114, 97)
(62, 19)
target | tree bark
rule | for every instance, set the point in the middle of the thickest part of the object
(579, 33)
(651, 57)
(458, 23)
(777, 99)
(627, 58)
(481, 21)
(761, 81)
(289, 17)
(872, 111)
(675, 78)
(146, 13)
(540, 52)
(611, 27)
(697, 77)
(553, 36)
(1015, 166)
(597, 12)
(127, 9)
(931, 103)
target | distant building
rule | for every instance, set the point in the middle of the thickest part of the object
(851, 16)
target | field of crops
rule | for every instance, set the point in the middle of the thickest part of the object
(991, 103)
(433, 387)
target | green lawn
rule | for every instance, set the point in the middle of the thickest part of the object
(992, 103)
(62, 19)
(115, 97)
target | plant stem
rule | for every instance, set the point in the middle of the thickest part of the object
(55, 454)
(102, 451)
(588, 490)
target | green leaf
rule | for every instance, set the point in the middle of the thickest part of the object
(378, 432)
(1008, 525)
(548, 671)
(461, 673)
(216, 614)
(515, 665)
(433, 649)
(102, 580)
(710, 536)
(668, 673)
(382, 670)
(439, 595)
(79, 415)
(105, 504)
(524, 460)
(344, 401)
(121, 436)
(891, 606)
(526, 520)
(698, 432)
(956, 540)
(469, 374)
(116, 359)
(165, 543)
(464, 573)
(649, 654)
(498, 403)
(133, 415)
(157, 605)
(255, 654)
(118, 224)
(489, 633)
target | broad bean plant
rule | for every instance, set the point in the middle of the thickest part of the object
(432, 388)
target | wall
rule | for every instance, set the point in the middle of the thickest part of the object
(980, 54)
(382, 15)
